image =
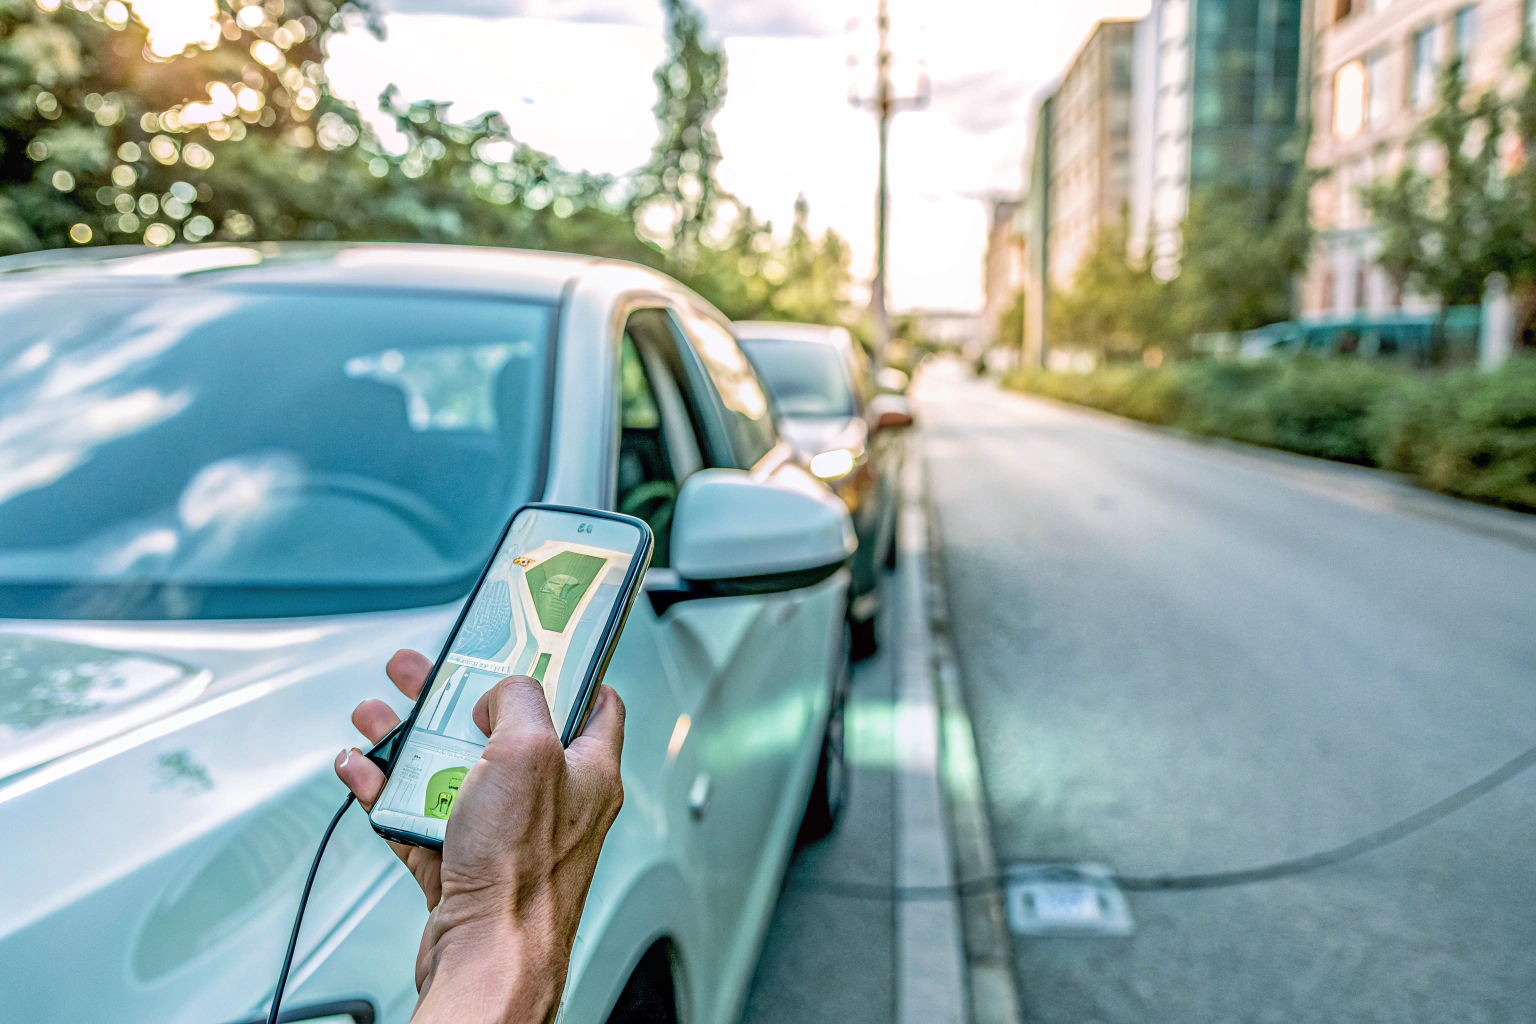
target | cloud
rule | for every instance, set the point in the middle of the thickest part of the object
(610, 12)
(982, 102)
(756, 18)
(723, 17)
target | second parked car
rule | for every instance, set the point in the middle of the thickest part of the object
(827, 406)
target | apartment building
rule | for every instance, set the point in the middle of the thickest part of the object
(1090, 148)
(1216, 105)
(1376, 72)
(1002, 267)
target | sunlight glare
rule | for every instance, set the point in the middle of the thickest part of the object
(175, 25)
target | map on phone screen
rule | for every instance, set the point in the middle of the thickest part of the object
(540, 612)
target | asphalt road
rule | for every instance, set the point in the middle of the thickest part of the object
(1179, 659)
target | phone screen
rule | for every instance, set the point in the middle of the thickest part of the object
(541, 609)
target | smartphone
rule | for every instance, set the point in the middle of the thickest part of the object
(550, 604)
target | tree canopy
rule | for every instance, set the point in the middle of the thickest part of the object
(116, 129)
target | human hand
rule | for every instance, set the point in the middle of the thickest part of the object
(507, 891)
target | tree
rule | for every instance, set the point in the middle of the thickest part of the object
(108, 133)
(112, 130)
(1444, 230)
(676, 196)
(1242, 251)
(1115, 307)
(110, 126)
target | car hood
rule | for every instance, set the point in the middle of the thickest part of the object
(812, 435)
(162, 789)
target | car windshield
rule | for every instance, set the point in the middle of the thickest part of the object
(190, 451)
(806, 378)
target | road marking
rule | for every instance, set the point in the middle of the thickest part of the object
(930, 959)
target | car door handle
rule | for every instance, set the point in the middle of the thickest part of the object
(698, 795)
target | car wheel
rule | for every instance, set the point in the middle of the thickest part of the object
(864, 642)
(891, 545)
(830, 790)
(649, 996)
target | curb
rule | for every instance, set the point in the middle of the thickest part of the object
(1361, 486)
(930, 949)
(994, 995)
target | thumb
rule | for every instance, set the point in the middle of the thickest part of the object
(514, 705)
(601, 743)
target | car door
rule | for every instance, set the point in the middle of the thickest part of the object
(760, 670)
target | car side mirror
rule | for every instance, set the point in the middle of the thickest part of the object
(734, 534)
(887, 411)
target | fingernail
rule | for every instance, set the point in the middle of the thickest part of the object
(345, 755)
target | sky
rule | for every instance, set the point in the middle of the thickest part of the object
(573, 78)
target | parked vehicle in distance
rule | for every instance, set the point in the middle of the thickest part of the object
(1445, 339)
(235, 479)
(828, 406)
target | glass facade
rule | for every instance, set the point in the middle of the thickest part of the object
(1246, 57)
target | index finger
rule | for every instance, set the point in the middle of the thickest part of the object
(408, 670)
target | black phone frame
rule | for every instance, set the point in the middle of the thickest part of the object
(607, 642)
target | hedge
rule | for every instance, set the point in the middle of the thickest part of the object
(1467, 433)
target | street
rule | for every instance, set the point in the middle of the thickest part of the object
(1180, 660)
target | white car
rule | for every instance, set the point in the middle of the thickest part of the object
(234, 480)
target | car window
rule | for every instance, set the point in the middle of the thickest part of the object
(740, 394)
(659, 436)
(807, 378)
(188, 451)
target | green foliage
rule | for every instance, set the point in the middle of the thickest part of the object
(1114, 308)
(756, 277)
(107, 132)
(676, 195)
(712, 241)
(104, 137)
(1242, 250)
(1010, 326)
(1468, 433)
(1444, 233)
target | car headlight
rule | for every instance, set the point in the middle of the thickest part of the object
(833, 465)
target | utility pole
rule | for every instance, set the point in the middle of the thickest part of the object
(885, 104)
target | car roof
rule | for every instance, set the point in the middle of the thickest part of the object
(780, 330)
(524, 273)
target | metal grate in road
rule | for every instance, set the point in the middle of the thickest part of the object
(1066, 899)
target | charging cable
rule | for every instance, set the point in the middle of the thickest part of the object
(379, 755)
(1400, 829)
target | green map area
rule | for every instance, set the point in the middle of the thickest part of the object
(557, 585)
(441, 790)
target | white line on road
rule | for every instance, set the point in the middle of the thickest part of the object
(930, 958)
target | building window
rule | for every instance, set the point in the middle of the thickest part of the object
(1466, 35)
(1376, 92)
(1421, 79)
(1349, 100)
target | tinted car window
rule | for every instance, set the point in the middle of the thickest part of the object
(745, 406)
(200, 452)
(806, 378)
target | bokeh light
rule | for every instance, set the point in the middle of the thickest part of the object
(175, 25)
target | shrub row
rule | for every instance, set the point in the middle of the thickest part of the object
(1468, 433)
